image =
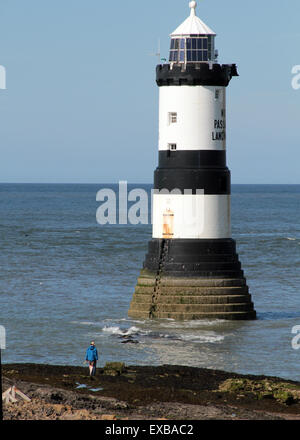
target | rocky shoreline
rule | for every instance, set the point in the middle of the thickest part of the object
(166, 392)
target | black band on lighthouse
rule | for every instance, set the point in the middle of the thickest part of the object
(192, 159)
(196, 258)
(195, 74)
(211, 181)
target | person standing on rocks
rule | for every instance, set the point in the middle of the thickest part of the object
(91, 357)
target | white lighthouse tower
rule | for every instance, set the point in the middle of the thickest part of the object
(191, 270)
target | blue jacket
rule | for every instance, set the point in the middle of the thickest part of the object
(91, 353)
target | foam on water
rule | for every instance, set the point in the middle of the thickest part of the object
(192, 324)
(121, 332)
(202, 339)
(199, 336)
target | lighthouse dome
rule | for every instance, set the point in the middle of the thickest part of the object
(193, 25)
(192, 41)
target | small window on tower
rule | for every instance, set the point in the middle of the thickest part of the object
(217, 94)
(172, 147)
(172, 118)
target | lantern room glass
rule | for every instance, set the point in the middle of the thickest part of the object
(192, 49)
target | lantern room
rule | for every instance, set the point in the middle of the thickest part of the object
(193, 41)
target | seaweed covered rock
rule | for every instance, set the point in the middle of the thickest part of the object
(282, 392)
(114, 368)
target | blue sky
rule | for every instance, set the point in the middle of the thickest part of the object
(81, 103)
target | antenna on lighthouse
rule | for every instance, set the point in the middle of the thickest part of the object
(157, 54)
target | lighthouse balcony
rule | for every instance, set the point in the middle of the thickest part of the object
(203, 74)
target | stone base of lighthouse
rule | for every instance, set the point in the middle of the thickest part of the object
(192, 279)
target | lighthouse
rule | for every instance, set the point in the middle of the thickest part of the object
(192, 269)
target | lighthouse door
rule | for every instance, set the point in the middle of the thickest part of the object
(168, 223)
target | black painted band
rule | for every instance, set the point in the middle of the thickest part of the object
(211, 181)
(210, 258)
(192, 246)
(192, 159)
(195, 74)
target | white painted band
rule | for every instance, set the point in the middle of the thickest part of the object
(192, 117)
(191, 216)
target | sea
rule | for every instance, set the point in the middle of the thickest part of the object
(65, 279)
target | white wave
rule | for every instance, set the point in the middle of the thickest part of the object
(193, 324)
(197, 337)
(203, 338)
(114, 330)
(291, 238)
(83, 322)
